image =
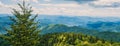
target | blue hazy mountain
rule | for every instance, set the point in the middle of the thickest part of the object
(75, 20)
(97, 23)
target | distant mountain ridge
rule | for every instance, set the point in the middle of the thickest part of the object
(97, 23)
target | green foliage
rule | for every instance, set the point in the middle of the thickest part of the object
(72, 39)
(110, 36)
(3, 42)
(106, 35)
(24, 30)
(53, 28)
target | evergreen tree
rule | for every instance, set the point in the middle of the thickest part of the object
(24, 30)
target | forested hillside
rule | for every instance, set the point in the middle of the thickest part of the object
(72, 39)
(69, 39)
(111, 36)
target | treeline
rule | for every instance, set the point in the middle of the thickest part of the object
(68, 39)
(72, 39)
(106, 35)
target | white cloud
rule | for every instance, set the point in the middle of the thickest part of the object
(3, 5)
(75, 9)
(21, 0)
(5, 8)
(36, 1)
(47, 0)
(69, 9)
(106, 2)
(60, 5)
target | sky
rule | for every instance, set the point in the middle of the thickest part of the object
(66, 7)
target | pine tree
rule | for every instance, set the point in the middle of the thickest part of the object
(24, 29)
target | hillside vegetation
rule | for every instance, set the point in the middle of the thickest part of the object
(69, 39)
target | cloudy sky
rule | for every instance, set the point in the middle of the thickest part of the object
(67, 7)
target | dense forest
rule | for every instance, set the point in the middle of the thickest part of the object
(106, 35)
(25, 31)
(68, 39)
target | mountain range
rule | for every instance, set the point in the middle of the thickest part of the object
(101, 27)
(97, 23)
